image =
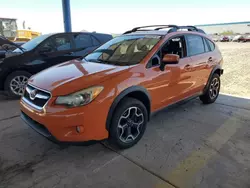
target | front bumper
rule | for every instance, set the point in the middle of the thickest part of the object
(42, 130)
(58, 124)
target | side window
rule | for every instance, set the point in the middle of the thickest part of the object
(47, 44)
(155, 60)
(62, 43)
(176, 46)
(195, 45)
(207, 48)
(95, 42)
(82, 40)
(211, 45)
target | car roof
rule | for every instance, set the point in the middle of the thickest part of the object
(93, 33)
(162, 30)
(166, 33)
(161, 33)
(102, 37)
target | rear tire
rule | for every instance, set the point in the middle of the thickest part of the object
(212, 92)
(128, 123)
(15, 83)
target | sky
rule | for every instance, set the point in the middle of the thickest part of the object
(117, 16)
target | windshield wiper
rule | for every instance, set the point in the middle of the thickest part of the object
(99, 61)
(107, 51)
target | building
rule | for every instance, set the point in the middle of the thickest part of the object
(8, 27)
(227, 28)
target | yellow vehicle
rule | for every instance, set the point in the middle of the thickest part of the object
(26, 35)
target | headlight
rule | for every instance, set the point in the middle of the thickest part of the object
(80, 98)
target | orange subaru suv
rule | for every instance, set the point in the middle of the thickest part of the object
(113, 91)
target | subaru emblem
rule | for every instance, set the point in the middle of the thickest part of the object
(33, 94)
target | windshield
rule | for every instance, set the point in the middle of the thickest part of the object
(33, 43)
(124, 50)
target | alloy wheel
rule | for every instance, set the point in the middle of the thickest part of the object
(214, 88)
(130, 124)
(18, 84)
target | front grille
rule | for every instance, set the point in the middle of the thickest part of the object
(36, 96)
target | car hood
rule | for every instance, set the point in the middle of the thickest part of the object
(73, 76)
(4, 41)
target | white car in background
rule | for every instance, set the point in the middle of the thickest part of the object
(237, 38)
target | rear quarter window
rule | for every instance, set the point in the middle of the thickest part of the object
(82, 40)
(95, 41)
(211, 45)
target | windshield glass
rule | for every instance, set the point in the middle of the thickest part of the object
(124, 50)
(33, 43)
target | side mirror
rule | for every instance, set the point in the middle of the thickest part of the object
(44, 50)
(169, 59)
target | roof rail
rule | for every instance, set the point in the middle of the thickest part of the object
(174, 28)
(141, 28)
(189, 28)
(167, 26)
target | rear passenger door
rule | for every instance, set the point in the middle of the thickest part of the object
(84, 44)
(212, 57)
(199, 61)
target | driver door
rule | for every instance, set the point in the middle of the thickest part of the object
(58, 49)
(174, 82)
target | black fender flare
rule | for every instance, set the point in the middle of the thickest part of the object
(123, 94)
(216, 68)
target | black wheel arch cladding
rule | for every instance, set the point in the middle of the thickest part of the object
(217, 69)
(130, 92)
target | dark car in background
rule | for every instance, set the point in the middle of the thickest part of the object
(244, 39)
(9, 47)
(224, 39)
(16, 66)
(20, 43)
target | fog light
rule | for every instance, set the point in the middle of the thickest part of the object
(79, 129)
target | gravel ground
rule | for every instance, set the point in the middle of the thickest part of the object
(236, 78)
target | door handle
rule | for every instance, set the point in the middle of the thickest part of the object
(70, 53)
(187, 67)
(210, 59)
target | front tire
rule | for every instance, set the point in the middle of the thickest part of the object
(212, 92)
(15, 84)
(128, 123)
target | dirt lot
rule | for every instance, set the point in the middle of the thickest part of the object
(236, 79)
(187, 146)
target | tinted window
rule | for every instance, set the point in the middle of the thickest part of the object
(62, 43)
(47, 44)
(82, 40)
(207, 48)
(195, 45)
(211, 44)
(95, 41)
(34, 42)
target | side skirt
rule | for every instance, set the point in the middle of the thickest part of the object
(181, 102)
